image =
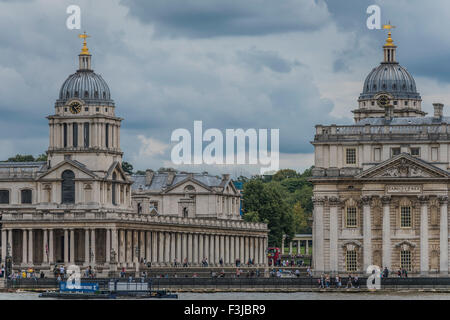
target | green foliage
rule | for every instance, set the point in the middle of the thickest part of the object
(140, 172)
(127, 167)
(283, 202)
(27, 158)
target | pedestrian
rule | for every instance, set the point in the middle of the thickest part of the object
(349, 281)
(385, 272)
(221, 262)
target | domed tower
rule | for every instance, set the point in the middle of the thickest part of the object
(84, 127)
(392, 81)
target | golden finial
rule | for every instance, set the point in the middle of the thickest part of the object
(389, 41)
(84, 50)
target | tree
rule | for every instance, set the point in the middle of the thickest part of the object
(21, 158)
(42, 157)
(127, 167)
(140, 172)
(251, 216)
(300, 217)
(285, 174)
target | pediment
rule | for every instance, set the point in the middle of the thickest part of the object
(180, 186)
(56, 172)
(403, 166)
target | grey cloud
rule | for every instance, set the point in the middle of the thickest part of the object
(258, 59)
(207, 18)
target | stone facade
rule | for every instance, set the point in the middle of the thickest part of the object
(80, 207)
(381, 186)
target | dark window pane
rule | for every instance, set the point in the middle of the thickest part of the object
(65, 134)
(107, 135)
(75, 134)
(86, 135)
(4, 196)
(68, 187)
(114, 177)
(25, 196)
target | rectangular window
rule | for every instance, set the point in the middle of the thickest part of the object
(107, 135)
(350, 261)
(395, 151)
(86, 135)
(405, 217)
(377, 154)
(75, 135)
(405, 260)
(350, 156)
(25, 196)
(4, 196)
(434, 154)
(65, 134)
(415, 152)
(351, 219)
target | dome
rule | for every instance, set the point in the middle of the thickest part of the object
(87, 86)
(391, 78)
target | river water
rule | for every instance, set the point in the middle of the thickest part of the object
(236, 296)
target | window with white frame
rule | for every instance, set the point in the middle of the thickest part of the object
(434, 154)
(350, 156)
(405, 217)
(405, 260)
(351, 261)
(377, 154)
(351, 220)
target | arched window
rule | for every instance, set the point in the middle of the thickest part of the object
(113, 189)
(68, 187)
(25, 196)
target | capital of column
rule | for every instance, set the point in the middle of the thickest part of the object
(318, 201)
(334, 201)
(365, 200)
(423, 199)
(386, 200)
(443, 200)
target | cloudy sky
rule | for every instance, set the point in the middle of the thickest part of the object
(286, 64)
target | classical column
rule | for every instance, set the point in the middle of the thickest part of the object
(282, 244)
(241, 250)
(256, 250)
(307, 247)
(148, 243)
(122, 246)
(30, 246)
(227, 250)
(51, 260)
(179, 256)
(262, 252)
(206, 252)
(135, 246)
(114, 243)
(142, 252)
(108, 245)
(72, 246)
(10, 241)
(386, 232)
(334, 231)
(66, 247)
(246, 250)
(443, 241)
(129, 248)
(318, 255)
(4, 236)
(167, 248)
(45, 247)
(211, 250)
(232, 250)
(367, 233)
(184, 247)
(24, 246)
(173, 242)
(154, 247)
(290, 247)
(237, 246)
(222, 248)
(190, 257)
(195, 251)
(201, 253)
(217, 249)
(424, 255)
(161, 248)
(93, 246)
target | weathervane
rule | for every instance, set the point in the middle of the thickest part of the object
(84, 50)
(389, 41)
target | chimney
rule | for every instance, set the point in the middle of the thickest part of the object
(225, 177)
(149, 177)
(438, 108)
(170, 177)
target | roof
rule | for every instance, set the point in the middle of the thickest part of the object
(160, 180)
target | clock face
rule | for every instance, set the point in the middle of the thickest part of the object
(383, 100)
(75, 107)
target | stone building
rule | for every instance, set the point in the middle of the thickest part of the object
(80, 207)
(381, 185)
